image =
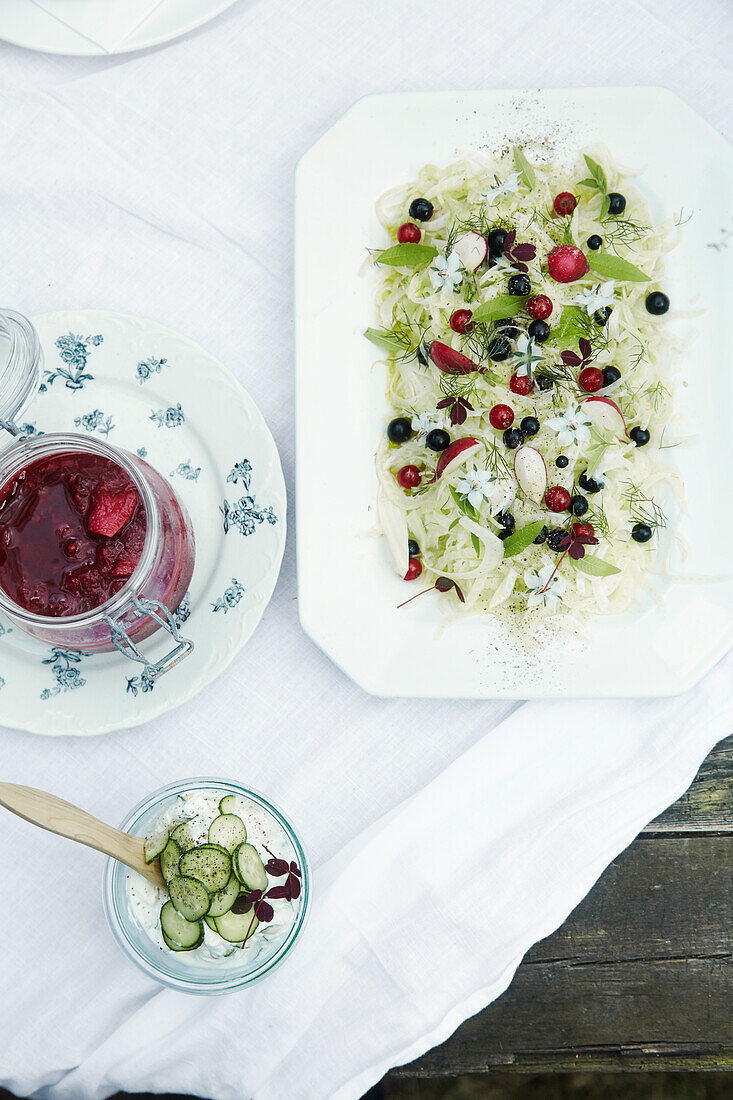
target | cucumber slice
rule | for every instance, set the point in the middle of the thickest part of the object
(190, 897)
(169, 858)
(227, 830)
(249, 868)
(155, 844)
(222, 902)
(210, 864)
(182, 836)
(180, 934)
(211, 922)
(228, 804)
(234, 927)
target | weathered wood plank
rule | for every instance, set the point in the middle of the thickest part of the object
(707, 807)
(640, 976)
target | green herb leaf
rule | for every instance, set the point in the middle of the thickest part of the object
(476, 543)
(570, 327)
(599, 176)
(506, 305)
(407, 255)
(464, 506)
(385, 338)
(613, 267)
(605, 206)
(521, 539)
(588, 183)
(524, 168)
(595, 567)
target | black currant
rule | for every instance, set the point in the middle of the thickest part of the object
(539, 331)
(413, 549)
(513, 437)
(499, 349)
(508, 327)
(561, 461)
(589, 484)
(601, 315)
(641, 532)
(437, 440)
(541, 537)
(519, 284)
(421, 210)
(640, 436)
(610, 375)
(505, 520)
(657, 303)
(555, 537)
(496, 241)
(544, 381)
(421, 356)
(594, 242)
(530, 425)
(578, 505)
(616, 203)
(399, 430)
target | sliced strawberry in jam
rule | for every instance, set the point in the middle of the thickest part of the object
(110, 511)
(125, 567)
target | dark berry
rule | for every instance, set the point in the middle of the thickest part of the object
(545, 382)
(589, 484)
(421, 356)
(519, 284)
(610, 375)
(530, 425)
(616, 203)
(399, 430)
(555, 538)
(641, 532)
(413, 549)
(499, 349)
(561, 461)
(513, 437)
(539, 331)
(640, 436)
(408, 234)
(541, 537)
(508, 327)
(594, 242)
(505, 520)
(564, 203)
(414, 569)
(496, 241)
(501, 417)
(657, 303)
(539, 307)
(460, 321)
(578, 505)
(601, 315)
(437, 440)
(421, 209)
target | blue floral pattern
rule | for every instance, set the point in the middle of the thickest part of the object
(245, 514)
(73, 351)
(95, 422)
(187, 470)
(171, 417)
(142, 452)
(27, 430)
(64, 664)
(232, 596)
(148, 367)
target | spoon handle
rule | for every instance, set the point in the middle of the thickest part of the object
(60, 817)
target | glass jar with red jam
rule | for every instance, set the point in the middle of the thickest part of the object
(96, 550)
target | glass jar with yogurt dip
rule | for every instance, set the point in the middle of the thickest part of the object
(96, 550)
(216, 964)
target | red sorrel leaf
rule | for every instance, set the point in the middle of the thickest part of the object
(457, 414)
(585, 348)
(576, 550)
(524, 252)
(564, 542)
(277, 892)
(264, 911)
(295, 869)
(293, 884)
(509, 240)
(445, 403)
(570, 359)
(276, 867)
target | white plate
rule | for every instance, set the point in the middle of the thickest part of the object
(147, 389)
(348, 591)
(24, 24)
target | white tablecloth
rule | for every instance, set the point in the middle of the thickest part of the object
(161, 184)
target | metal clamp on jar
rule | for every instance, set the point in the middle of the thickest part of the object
(96, 550)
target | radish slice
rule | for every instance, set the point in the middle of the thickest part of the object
(605, 414)
(393, 522)
(471, 250)
(530, 471)
(460, 450)
(451, 361)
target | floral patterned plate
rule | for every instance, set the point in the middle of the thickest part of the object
(151, 391)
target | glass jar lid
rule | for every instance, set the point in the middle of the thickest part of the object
(21, 363)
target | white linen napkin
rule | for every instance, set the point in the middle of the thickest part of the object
(106, 22)
(162, 185)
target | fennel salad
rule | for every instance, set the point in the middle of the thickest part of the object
(522, 318)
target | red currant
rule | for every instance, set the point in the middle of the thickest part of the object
(408, 234)
(583, 529)
(521, 384)
(501, 417)
(414, 569)
(557, 499)
(539, 307)
(591, 379)
(409, 477)
(460, 321)
(564, 203)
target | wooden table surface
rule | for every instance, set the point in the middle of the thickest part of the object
(640, 976)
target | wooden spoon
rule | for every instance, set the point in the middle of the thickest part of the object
(52, 813)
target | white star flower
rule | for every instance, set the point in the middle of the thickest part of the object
(477, 485)
(509, 186)
(543, 590)
(423, 424)
(445, 274)
(526, 355)
(595, 297)
(571, 426)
